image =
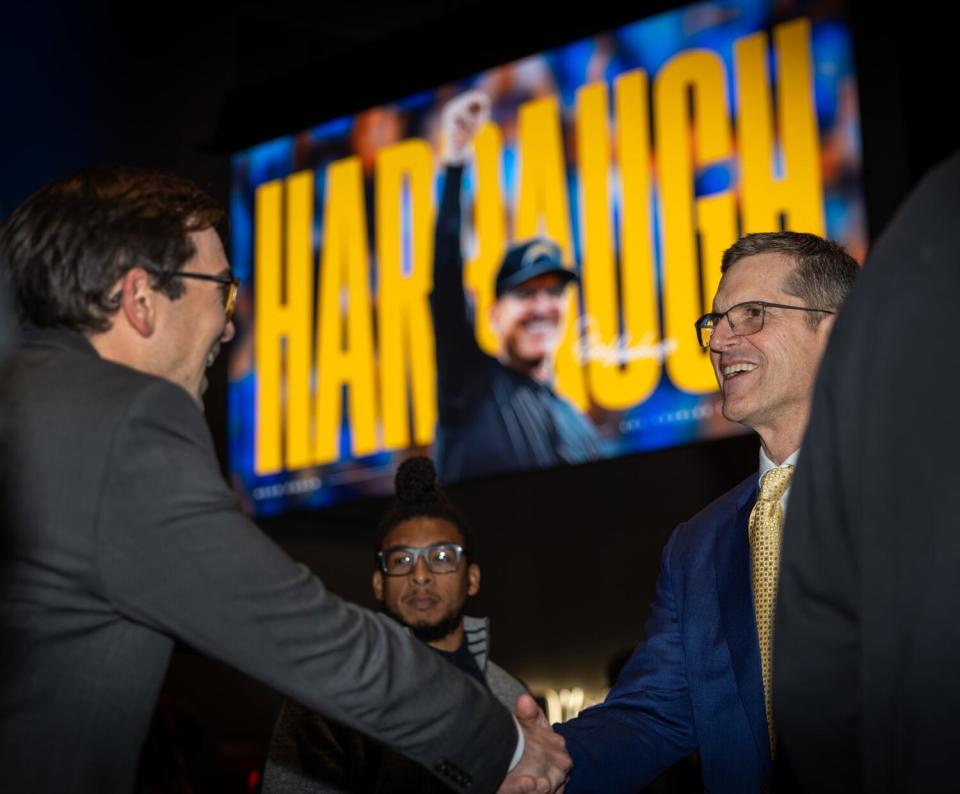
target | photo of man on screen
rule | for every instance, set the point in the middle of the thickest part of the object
(499, 413)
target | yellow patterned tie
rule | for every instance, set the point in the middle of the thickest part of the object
(766, 523)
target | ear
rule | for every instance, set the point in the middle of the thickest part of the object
(473, 579)
(826, 326)
(378, 586)
(138, 301)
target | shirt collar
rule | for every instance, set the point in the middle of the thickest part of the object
(766, 464)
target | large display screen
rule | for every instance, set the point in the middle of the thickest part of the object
(631, 159)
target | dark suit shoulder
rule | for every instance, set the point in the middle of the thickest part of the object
(68, 361)
(699, 531)
(58, 378)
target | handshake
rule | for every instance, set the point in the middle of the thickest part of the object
(544, 766)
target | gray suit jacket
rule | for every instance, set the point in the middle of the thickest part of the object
(124, 536)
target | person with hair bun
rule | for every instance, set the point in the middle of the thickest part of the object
(425, 567)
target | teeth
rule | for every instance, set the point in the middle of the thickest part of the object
(539, 327)
(733, 369)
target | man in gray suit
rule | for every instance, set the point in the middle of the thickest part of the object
(123, 536)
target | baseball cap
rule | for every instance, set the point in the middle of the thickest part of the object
(529, 259)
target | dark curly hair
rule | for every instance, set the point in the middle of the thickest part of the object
(64, 249)
(418, 494)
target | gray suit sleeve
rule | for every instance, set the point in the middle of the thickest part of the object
(176, 553)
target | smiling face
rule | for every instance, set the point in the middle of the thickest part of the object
(198, 325)
(423, 600)
(767, 378)
(529, 321)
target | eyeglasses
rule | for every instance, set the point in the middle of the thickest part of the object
(744, 319)
(402, 560)
(230, 286)
(529, 293)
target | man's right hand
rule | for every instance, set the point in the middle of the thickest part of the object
(461, 119)
(544, 765)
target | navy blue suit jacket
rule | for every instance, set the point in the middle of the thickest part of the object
(695, 682)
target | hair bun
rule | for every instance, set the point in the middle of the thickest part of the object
(416, 481)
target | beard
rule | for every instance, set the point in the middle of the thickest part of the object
(431, 632)
(522, 363)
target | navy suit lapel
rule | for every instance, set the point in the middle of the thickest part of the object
(736, 610)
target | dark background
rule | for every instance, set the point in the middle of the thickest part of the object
(569, 557)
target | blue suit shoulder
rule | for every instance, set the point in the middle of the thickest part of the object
(692, 534)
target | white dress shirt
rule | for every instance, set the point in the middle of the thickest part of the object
(766, 464)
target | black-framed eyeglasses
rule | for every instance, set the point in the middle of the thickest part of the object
(230, 286)
(744, 319)
(438, 557)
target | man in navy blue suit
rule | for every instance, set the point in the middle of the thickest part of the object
(700, 680)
